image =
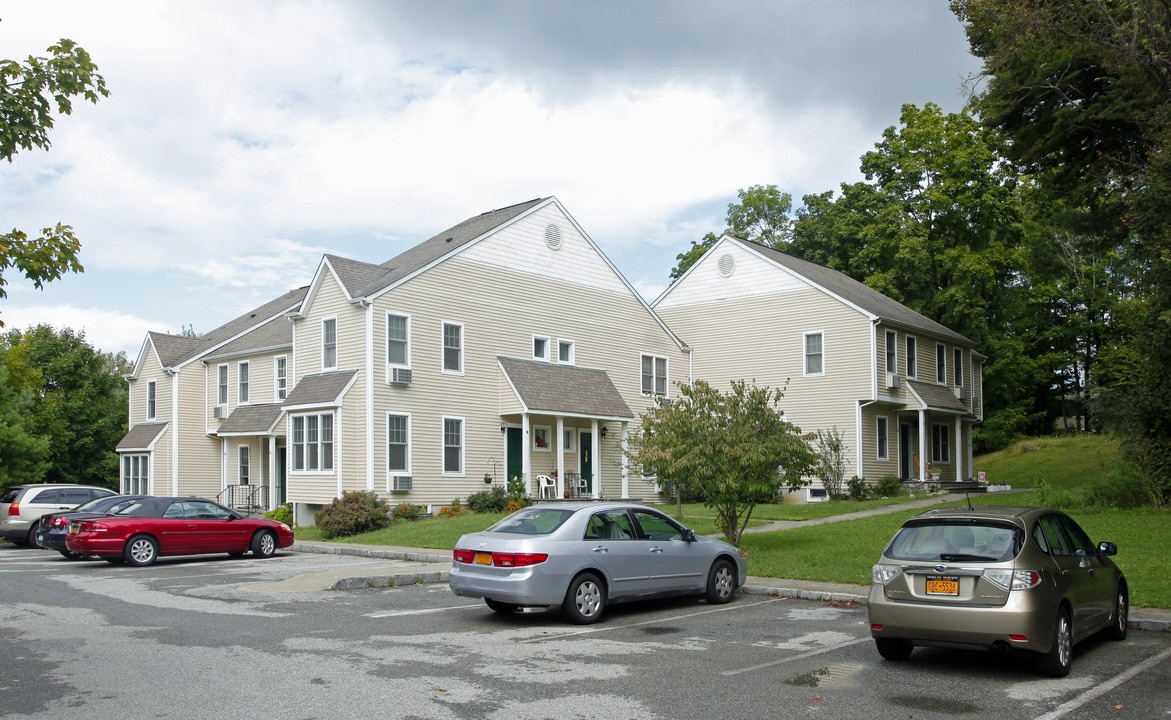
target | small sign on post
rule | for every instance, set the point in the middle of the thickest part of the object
(982, 476)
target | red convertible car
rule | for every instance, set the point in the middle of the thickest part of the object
(154, 527)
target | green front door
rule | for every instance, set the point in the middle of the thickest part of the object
(513, 447)
(586, 463)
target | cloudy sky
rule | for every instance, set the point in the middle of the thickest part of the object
(242, 140)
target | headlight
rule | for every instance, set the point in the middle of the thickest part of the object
(882, 574)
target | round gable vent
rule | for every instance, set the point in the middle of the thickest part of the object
(553, 236)
(727, 265)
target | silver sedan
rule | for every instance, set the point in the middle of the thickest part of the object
(584, 555)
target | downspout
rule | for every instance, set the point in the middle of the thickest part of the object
(174, 429)
(369, 392)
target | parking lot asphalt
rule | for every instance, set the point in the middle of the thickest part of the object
(409, 566)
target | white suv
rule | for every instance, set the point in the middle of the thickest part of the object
(21, 507)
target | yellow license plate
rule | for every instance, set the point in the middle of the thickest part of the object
(938, 585)
(483, 558)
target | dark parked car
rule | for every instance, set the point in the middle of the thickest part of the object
(154, 527)
(1014, 579)
(582, 556)
(53, 529)
(21, 507)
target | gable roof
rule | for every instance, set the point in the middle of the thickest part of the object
(323, 389)
(856, 293)
(251, 420)
(141, 437)
(564, 389)
(936, 397)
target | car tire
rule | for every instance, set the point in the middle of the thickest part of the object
(1057, 661)
(721, 582)
(501, 607)
(585, 601)
(894, 649)
(32, 535)
(141, 550)
(1120, 620)
(264, 544)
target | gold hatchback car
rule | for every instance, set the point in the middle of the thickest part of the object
(1013, 579)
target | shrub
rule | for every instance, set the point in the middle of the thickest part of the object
(354, 512)
(859, 490)
(488, 501)
(451, 511)
(407, 511)
(281, 514)
(516, 504)
(888, 486)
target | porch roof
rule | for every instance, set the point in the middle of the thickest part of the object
(251, 420)
(936, 397)
(556, 389)
(141, 437)
(324, 389)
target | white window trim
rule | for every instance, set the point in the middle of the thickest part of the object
(292, 463)
(941, 370)
(666, 378)
(463, 446)
(243, 367)
(548, 345)
(244, 464)
(391, 472)
(944, 433)
(222, 384)
(569, 442)
(336, 344)
(276, 378)
(572, 352)
(958, 367)
(463, 345)
(912, 360)
(881, 450)
(152, 400)
(390, 364)
(892, 348)
(805, 353)
(544, 432)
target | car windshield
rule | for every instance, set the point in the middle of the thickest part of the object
(532, 521)
(92, 504)
(940, 540)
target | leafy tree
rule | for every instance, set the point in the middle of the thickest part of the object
(731, 450)
(78, 401)
(762, 216)
(1080, 89)
(831, 460)
(692, 255)
(29, 91)
(22, 455)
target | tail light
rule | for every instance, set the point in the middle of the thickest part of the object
(1013, 579)
(500, 559)
(81, 526)
(14, 510)
(57, 521)
(463, 556)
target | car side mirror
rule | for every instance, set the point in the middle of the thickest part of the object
(688, 535)
(1107, 548)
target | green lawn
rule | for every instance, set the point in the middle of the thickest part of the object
(844, 551)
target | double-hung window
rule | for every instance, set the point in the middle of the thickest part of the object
(654, 375)
(453, 348)
(398, 340)
(281, 374)
(222, 385)
(150, 400)
(939, 448)
(912, 357)
(135, 479)
(312, 442)
(329, 343)
(398, 444)
(957, 366)
(883, 438)
(242, 375)
(814, 353)
(892, 351)
(245, 458)
(940, 363)
(453, 446)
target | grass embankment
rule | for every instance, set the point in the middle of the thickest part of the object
(1073, 473)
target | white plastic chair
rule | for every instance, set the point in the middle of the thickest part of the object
(546, 486)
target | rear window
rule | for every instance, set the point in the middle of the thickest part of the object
(10, 494)
(956, 541)
(532, 521)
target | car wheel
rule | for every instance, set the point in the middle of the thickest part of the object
(263, 544)
(70, 555)
(721, 582)
(141, 550)
(1057, 661)
(585, 600)
(1121, 618)
(893, 649)
(32, 534)
(501, 607)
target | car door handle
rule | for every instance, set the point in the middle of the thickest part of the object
(657, 550)
(600, 549)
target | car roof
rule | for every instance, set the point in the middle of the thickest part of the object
(1018, 514)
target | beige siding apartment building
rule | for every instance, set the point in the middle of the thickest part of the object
(508, 346)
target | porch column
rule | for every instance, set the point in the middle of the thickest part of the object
(923, 446)
(625, 465)
(272, 478)
(559, 448)
(596, 465)
(959, 439)
(526, 454)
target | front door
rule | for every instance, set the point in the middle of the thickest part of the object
(514, 465)
(586, 461)
(905, 452)
(281, 475)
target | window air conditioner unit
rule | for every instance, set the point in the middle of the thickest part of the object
(893, 381)
(400, 376)
(961, 393)
(218, 412)
(666, 402)
(402, 483)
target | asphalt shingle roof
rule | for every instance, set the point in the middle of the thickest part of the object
(564, 389)
(936, 397)
(322, 389)
(251, 419)
(141, 436)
